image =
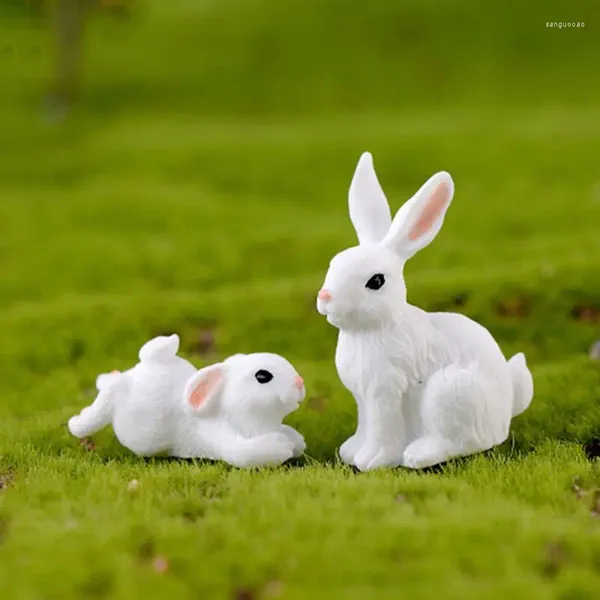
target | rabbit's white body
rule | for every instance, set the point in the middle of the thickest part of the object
(150, 409)
(428, 386)
(147, 414)
(436, 385)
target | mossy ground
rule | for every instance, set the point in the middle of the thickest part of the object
(198, 191)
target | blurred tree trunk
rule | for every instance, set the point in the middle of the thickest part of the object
(69, 23)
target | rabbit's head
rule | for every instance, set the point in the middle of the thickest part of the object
(247, 389)
(364, 287)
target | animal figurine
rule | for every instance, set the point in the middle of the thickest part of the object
(428, 386)
(231, 411)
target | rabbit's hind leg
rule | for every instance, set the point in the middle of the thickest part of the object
(456, 418)
(98, 415)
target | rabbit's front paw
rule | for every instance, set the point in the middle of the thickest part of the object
(267, 450)
(349, 449)
(371, 457)
(296, 438)
(278, 448)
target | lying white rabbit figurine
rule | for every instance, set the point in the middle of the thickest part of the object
(230, 411)
(429, 386)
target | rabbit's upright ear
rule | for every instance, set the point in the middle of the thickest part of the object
(369, 208)
(420, 219)
(205, 387)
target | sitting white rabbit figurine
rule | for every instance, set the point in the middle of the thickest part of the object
(231, 411)
(429, 386)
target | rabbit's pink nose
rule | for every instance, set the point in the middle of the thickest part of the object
(324, 294)
(299, 382)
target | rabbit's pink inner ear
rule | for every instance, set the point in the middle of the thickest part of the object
(432, 212)
(204, 388)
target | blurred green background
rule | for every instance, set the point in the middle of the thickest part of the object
(263, 57)
(210, 144)
(249, 115)
(195, 180)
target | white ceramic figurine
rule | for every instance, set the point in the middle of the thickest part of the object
(429, 386)
(230, 411)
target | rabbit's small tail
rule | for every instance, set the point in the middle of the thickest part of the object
(160, 349)
(100, 414)
(522, 383)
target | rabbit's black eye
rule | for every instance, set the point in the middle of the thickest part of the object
(375, 282)
(263, 376)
